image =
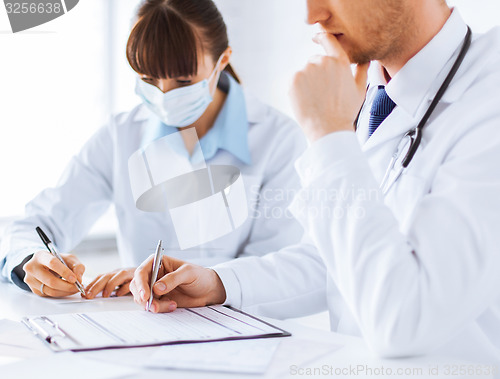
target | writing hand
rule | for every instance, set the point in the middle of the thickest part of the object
(44, 268)
(180, 284)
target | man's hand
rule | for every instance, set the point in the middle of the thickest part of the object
(118, 280)
(325, 96)
(44, 268)
(180, 284)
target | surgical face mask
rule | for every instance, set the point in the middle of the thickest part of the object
(179, 107)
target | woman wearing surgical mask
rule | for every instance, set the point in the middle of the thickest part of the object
(180, 51)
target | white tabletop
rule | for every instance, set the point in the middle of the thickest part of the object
(353, 359)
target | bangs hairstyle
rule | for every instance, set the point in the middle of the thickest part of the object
(165, 41)
(162, 45)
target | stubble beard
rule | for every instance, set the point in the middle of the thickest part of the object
(393, 29)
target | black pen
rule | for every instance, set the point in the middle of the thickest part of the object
(50, 246)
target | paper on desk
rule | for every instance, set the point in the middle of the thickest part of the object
(298, 352)
(63, 366)
(133, 356)
(21, 352)
(17, 341)
(245, 356)
(291, 351)
(76, 298)
(7, 325)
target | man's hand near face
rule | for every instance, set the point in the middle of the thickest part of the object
(326, 97)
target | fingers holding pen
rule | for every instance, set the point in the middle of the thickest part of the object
(184, 275)
(163, 305)
(52, 281)
(36, 288)
(51, 262)
(135, 292)
(159, 303)
(75, 265)
(189, 286)
(53, 286)
(164, 289)
(181, 284)
(139, 286)
(43, 269)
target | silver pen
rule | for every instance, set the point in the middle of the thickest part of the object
(154, 275)
(50, 246)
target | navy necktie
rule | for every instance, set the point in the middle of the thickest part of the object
(381, 108)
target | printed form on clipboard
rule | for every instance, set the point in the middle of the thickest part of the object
(116, 329)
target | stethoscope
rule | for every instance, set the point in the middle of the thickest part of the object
(411, 140)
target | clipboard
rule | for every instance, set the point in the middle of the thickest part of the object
(124, 329)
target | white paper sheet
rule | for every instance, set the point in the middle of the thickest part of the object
(76, 298)
(63, 366)
(17, 341)
(298, 352)
(245, 356)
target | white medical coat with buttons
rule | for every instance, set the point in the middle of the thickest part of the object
(417, 271)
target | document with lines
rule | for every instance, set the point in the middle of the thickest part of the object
(101, 330)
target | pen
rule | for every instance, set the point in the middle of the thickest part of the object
(50, 246)
(154, 274)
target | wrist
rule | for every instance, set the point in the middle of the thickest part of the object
(218, 293)
(316, 132)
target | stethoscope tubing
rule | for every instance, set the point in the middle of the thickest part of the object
(415, 134)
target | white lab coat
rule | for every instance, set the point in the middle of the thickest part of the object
(416, 272)
(98, 176)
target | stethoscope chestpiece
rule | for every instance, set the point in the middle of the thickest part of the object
(415, 136)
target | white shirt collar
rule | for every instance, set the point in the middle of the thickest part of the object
(415, 82)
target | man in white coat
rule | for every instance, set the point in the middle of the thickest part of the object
(414, 269)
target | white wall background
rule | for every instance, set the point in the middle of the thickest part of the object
(60, 81)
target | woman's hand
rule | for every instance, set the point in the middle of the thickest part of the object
(118, 280)
(180, 284)
(44, 268)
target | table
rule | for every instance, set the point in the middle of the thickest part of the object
(354, 359)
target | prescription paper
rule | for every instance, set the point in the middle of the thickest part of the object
(63, 366)
(246, 356)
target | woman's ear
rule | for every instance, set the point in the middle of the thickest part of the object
(225, 58)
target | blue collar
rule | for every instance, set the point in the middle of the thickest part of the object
(229, 132)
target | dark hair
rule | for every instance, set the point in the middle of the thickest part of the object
(165, 41)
